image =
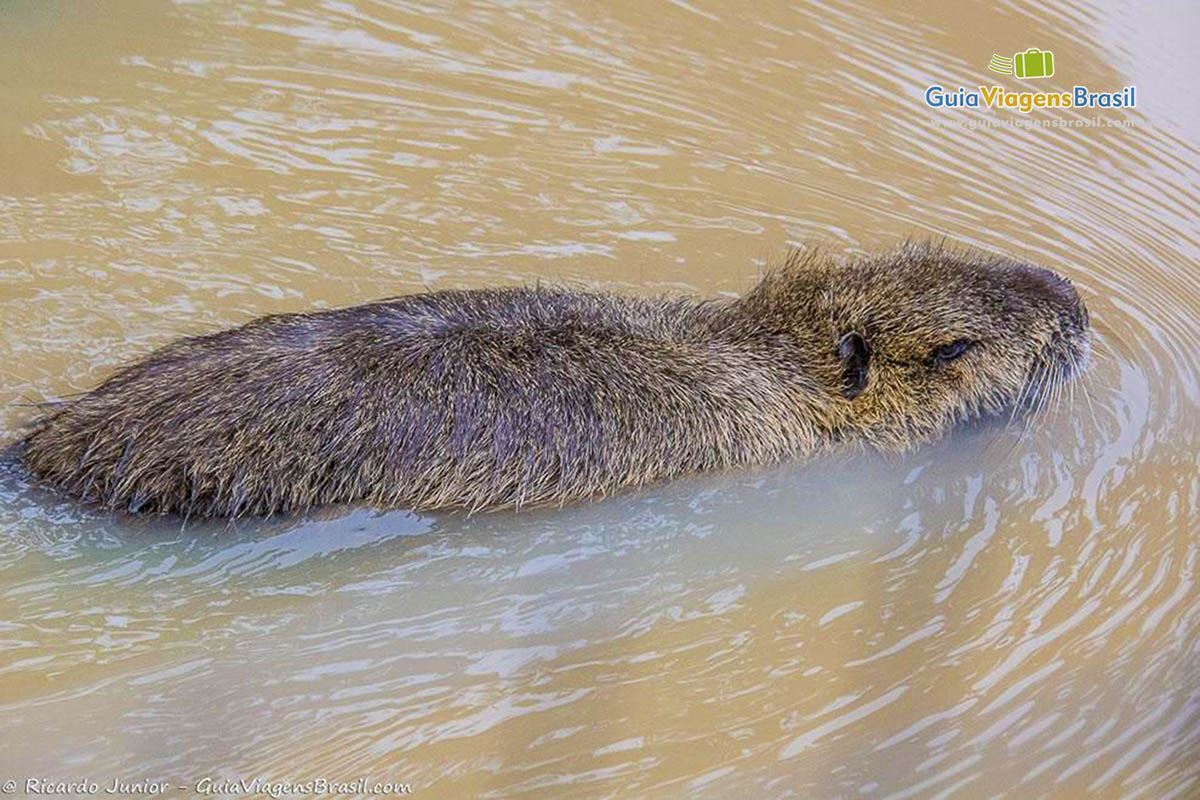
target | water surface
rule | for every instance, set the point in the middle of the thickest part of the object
(1011, 611)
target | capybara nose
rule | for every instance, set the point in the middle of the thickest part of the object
(1054, 288)
(1054, 285)
(1062, 292)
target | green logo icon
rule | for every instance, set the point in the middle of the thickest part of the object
(1033, 63)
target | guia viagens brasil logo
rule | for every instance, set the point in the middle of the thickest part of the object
(1033, 64)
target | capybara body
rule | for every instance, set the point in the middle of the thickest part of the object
(527, 396)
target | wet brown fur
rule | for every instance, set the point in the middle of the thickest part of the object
(524, 396)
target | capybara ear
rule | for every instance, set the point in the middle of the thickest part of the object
(856, 356)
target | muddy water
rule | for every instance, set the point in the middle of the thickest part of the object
(1005, 612)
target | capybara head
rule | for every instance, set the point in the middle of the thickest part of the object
(926, 336)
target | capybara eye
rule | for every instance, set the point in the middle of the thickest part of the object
(948, 352)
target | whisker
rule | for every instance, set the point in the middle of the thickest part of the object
(1040, 399)
(1071, 384)
(1101, 358)
(1021, 396)
(1051, 405)
(1027, 422)
(1087, 396)
(1060, 390)
(1032, 391)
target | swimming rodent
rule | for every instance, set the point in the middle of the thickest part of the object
(506, 397)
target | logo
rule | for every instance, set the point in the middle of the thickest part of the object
(1033, 63)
